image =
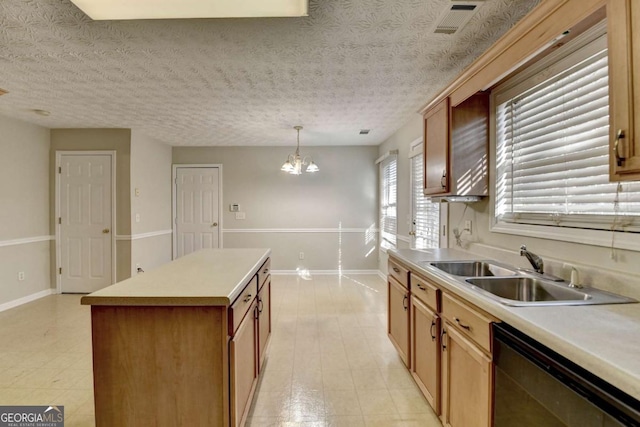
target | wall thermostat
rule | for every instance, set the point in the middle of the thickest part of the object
(234, 207)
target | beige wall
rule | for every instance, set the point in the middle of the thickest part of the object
(151, 176)
(343, 194)
(118, 140)
(24, 212)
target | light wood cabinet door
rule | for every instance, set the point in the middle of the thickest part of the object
(425, 351)
(436, 149)
(242, 366)
(264, 321)
(623, 20)
(467, 382)
(398, 318)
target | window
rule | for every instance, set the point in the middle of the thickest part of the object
(425, 215)
(552, 145)
(388, 200)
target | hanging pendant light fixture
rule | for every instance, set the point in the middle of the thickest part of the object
(295, 162)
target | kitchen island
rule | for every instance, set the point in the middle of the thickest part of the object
(183, 344)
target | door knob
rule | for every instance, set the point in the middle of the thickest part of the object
(105, 231)
(215, 224)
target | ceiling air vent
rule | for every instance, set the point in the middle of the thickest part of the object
(365, 131)
(456, 16)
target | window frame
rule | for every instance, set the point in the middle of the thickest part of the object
(385, 244)
(415, 150)
(540, 227)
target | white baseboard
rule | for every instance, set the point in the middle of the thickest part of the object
(382, 275)
(322, 272)
(24, 300)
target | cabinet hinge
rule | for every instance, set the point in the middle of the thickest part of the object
(59, 220)
(60, 270)
(59, 169)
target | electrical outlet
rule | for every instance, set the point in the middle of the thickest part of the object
(137, 217)
(301, 255)
(137, 192)
(467, 226)
(240, 215)
(21, 275)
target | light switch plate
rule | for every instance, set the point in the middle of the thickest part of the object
(234, 207)
(240, 215)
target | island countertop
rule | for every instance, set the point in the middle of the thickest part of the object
(210, 277)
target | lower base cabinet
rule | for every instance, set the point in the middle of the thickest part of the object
(264, 322)
(467, 381)
(398, 319)
(425, 348)
(447, 349)
(243, 366)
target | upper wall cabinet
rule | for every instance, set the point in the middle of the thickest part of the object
(436, 149)
(456, 148)
(623, 21)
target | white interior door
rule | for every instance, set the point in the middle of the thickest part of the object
(197, 209)
(85, 222)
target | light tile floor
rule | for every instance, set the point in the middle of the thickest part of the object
(330, 362)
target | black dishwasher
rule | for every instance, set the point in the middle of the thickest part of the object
(537, 387)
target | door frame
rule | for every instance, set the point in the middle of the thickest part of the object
(174, 217)
(59, 154)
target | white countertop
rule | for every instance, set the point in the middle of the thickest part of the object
(208, 277)
(603, 339)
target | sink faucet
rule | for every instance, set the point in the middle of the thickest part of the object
(535, 260)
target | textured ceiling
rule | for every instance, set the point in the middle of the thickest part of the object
(350, 65)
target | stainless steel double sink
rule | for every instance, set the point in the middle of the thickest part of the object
(515, 287)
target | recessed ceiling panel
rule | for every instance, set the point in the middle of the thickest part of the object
(171, 9)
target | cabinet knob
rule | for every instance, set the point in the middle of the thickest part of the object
(105, 231)
(442, 340)
(433, 325)
(406, 297)
(616, 152)
(443, 180)
(215, 224)
(396, 269)
(248, 298)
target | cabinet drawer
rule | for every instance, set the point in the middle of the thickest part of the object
(399, 273)
(241, 305)
(264, 272)
(425, 292)
(470, 322)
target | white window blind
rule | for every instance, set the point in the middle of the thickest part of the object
(425, 214)
(552, 147)
(388, 201)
